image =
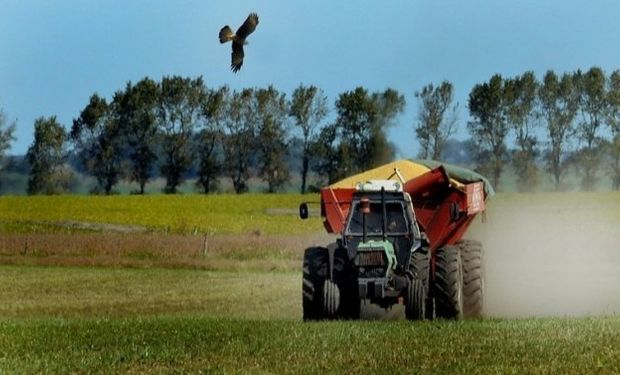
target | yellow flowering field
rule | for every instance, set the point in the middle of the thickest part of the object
(191, 213)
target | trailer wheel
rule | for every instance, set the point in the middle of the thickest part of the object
(346, 279)
(315, 272)
(473, 278)
(417, 302)
(448, 283)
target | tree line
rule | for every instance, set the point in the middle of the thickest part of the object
(177, 125)
(564, 120)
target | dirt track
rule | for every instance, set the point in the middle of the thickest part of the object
(552, 259)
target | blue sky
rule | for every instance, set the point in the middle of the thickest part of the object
(55, 54)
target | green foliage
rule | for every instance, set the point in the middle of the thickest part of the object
(179, 112)
(357, 141)
(327, 153)
(208, 147)
(6, 137)
(489, 126)
(308, 108)
(240, 129)
(593, 106)
(99, 142)
(559, 104)
(272, 111)
(613, 120)
(521, 112)
(434, 123)
(46, 156)
(135, 111)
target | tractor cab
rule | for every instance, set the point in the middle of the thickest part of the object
(379, 235)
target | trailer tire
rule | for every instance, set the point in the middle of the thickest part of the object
(315, 272)
(448, 283)
(473, 278)
(417, 305)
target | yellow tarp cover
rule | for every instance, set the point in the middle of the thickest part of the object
(408, 170)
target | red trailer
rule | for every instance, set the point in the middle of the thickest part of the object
(401, 227)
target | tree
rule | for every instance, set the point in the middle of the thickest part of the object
(179, 111)
(390, 103)
(135, 110)
(272, 110)
(593, 106)
(328, 153)
(361, 124)
(6, 136)
(308, 108)
(521, 111)
(436, 118)
(210, 138)
(613, 119)
(559, 103)
(99, 143)
(46, 156)
(489, 127)
(239, 138)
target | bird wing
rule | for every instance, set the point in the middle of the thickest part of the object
(248, 26)
(237, 56)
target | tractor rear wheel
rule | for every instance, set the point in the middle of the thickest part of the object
(346, 279)
(315, 272)
(448, 283)
(473, 278)
(417, 301)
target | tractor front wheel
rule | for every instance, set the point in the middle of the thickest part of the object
(331, 299)
(416, 300)
(346, 279)
(315, 272)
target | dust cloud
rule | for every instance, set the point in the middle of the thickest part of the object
(551, 257)
(545, 256)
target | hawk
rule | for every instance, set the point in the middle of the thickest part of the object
(238, 39)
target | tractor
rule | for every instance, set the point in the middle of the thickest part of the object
(400, 241)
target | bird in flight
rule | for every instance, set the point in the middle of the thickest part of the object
(238, 39)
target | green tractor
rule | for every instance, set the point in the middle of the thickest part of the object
(386, 255)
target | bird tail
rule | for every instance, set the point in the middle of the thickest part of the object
(226, 34)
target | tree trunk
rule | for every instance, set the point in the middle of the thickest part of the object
(304, 172)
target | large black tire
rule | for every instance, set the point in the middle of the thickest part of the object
(473, 278)
(448, 283)
(346, 278)
(315, 272)
(416, 301)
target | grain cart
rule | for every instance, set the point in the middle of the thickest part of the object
(400, 240)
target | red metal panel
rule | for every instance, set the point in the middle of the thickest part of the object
(335, 204)
(475, 198)
(433, 197)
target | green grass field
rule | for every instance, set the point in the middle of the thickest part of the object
(102, 320)
(156, 302)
